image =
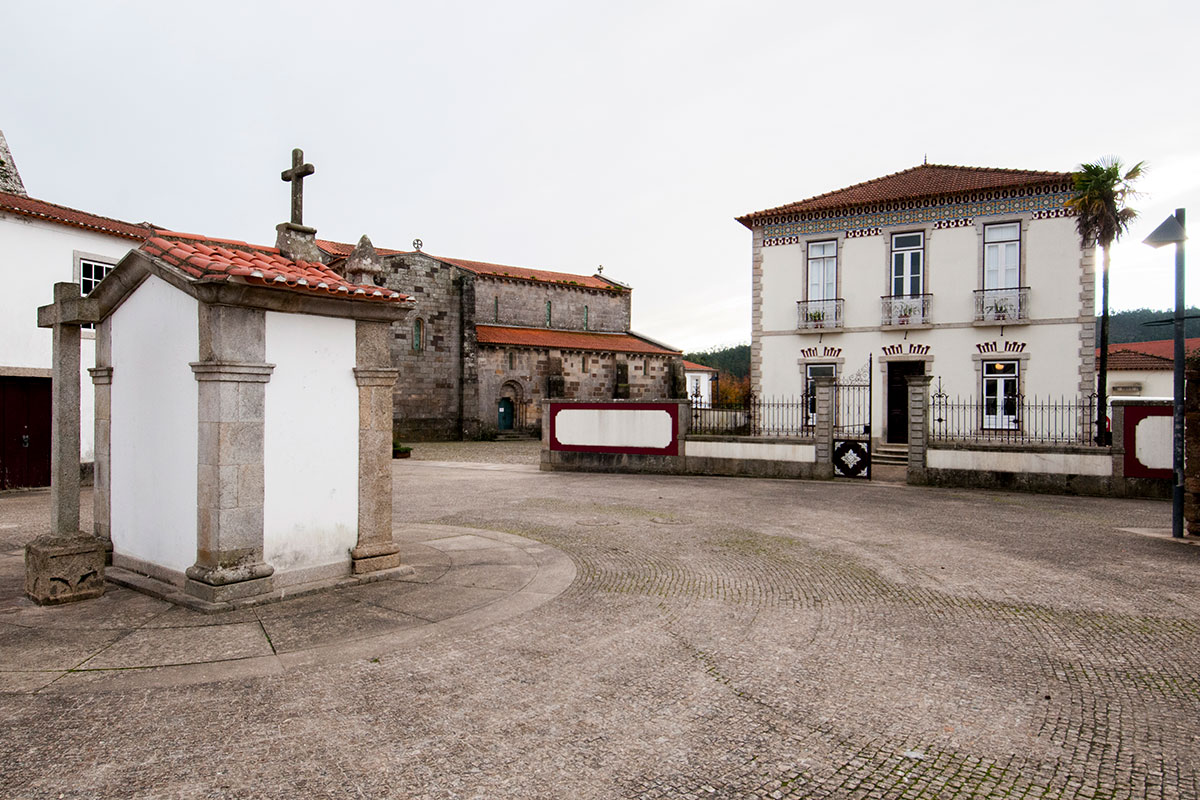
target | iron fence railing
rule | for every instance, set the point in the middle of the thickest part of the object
(1014, 419)
(1002, 305)
(773, 417)
(897, 310)
(819, 314)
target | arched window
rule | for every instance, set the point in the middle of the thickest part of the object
(418, 339)
(585, 318)
(512, 360)
(496, 308)
(547, 313)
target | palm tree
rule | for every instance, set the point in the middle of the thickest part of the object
(1101, 190)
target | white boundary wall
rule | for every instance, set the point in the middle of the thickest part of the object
(155, 423)
(310, 456)
(754, 451)
(616, 427)
(1020, 461)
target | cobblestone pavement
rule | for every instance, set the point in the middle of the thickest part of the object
(723, 638)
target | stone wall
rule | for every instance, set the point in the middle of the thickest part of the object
(586, 376)
(501, 301)
(428, 400)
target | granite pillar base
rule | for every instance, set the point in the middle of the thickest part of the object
(374, 557)
(64, 569)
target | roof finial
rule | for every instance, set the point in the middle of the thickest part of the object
(600, 270)
(927, 159)
(417, 245)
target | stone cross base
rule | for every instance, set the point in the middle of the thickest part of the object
(63, 569)
(374, 557)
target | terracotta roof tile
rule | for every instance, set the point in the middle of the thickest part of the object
(256, 265)
(692, 366)
(568, 340)
(52, 212)
(926, 180)
(527, 274)
(1158, 354)
(344, 249)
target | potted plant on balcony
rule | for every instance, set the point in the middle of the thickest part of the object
(903, 312)
(999, 309)
(816, 318)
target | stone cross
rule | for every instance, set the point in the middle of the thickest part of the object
(66, 565)
(296, 176)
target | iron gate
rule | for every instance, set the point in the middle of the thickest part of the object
(852, 424)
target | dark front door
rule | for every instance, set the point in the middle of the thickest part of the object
(897, 398)
(505, 422)
(24, 432)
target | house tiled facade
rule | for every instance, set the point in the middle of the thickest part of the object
(973, 276)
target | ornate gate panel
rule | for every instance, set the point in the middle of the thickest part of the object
(852, 425)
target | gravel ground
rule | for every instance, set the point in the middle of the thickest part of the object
(723, 638)
(519, 451)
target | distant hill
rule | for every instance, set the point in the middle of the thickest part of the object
(1127, 326)
(734, 360)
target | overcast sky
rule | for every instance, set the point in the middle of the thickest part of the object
(567, 135)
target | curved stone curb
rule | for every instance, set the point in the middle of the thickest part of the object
(463, 579)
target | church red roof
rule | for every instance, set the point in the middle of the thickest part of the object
(222, 259)
(692, 366)
(344, 249)
(527, 274)
(52, 212)
(926, 180)
(569, 340)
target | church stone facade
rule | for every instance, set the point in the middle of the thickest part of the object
(488, 342)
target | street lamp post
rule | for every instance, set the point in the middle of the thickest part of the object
(1174, 231)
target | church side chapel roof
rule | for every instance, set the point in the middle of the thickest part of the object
(345, 249)
(527, 274)
(692, 366)
(569, 340)
(923, 181)
(52, 212)
(214, 260)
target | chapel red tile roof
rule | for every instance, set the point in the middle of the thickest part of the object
(692, 366)
(52, 212)
(1158, 354)
(345, 249)
(214, 260)
(569, 340)
(527, 274)
(926, 180)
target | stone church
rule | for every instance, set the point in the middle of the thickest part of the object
(486, 343)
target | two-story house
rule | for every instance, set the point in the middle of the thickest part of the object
(42, 244)
(972, 275)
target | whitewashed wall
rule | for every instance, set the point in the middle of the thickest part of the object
(34, 255)
(1050, 344)
(703, 378)
(1153, 382)
(310, 505)
(154, 425)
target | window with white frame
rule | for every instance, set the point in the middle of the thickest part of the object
(822, 271)
(1001, 394)
(1002, 256)
(908, 264)
(91, 273)
(812, 371)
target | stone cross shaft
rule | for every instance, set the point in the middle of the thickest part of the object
(296, 176)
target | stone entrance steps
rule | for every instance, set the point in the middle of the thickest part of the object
(889, 455)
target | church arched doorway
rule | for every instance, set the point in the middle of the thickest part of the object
(510, 408)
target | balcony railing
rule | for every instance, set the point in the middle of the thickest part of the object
(898, 309)
(1002, 306)
(817, 314)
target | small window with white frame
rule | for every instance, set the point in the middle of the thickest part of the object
(91, 273)
(812, 371)
(908, 264)
(822, 270)
(1002, 256)
(1001, 395)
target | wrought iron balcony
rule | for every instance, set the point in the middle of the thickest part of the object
(818, 314)
(1002, 306)
(901, 309)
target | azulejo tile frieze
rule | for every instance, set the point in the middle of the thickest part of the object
(1044, 202)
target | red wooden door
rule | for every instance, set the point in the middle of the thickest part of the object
(24, 432)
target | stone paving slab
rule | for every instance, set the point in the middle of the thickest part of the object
(139, 640)
(723, 638)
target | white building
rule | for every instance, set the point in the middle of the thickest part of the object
(701, 383)
(42, 244)
(973, 276)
